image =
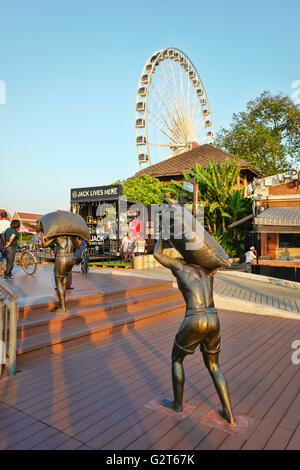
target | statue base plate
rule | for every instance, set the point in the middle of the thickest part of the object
(243, 428)
(163, 406)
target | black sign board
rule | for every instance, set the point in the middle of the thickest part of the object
(96, 193)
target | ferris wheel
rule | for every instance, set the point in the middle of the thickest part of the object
(172, 110)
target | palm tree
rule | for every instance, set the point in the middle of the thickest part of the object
(215, 182)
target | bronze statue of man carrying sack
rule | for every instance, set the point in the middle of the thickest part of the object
(195, 274)
(65, 230)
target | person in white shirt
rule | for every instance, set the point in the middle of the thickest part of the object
(4, 224)
(250, 255)
(126, 247)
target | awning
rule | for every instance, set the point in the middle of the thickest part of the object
(284, 219)
(26, 229)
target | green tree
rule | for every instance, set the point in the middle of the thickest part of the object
(267, 134)
(215, 184)
(223, 203)
(145, 189)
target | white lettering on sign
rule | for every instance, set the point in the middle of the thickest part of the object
(95, 192)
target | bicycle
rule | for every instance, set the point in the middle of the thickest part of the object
(26, 258)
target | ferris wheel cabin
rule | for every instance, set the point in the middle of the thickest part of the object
(140, 106)
(149, 67)
(141, 140)
(140, 123)
(153, 58)
(143, 158)
(142, 91)
(145, 78)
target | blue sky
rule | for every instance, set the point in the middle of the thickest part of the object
(71, 71)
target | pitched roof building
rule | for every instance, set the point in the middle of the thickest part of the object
(27, 217)
(173, 167)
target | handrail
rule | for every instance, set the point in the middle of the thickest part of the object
(13, 293)
(8, 307)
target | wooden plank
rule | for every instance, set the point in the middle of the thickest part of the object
(71, 444)
(32, 441)
(21, 433)
(291, 419)
(294, 443)
(279, 439)
(271, 420)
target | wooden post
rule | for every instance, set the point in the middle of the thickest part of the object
(195, 198)
(12, 337)
(2, 344)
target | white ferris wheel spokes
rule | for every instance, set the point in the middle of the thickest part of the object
(172, 110)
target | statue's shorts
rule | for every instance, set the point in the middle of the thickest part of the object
(199, 328)
(64, 264)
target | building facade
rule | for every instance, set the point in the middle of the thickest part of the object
(277, 223)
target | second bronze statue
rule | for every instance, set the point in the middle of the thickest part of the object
(65, 230)
(64, 262)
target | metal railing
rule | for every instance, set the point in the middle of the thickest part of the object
(8, 328)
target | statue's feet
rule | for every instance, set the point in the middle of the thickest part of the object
(58, 310)
(171, 405)
(228, 417)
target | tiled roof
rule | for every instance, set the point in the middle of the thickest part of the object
(186, 161)
(28, 215)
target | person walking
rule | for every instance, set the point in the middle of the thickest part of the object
(10, 247)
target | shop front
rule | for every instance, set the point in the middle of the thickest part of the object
(110, 217)
(279, 229)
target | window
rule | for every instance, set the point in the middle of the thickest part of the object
(289, 240)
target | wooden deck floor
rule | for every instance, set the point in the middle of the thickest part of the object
(93, 396)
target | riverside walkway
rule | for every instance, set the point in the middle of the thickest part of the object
(240, 287)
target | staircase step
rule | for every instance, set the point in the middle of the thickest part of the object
(99, 328)
(33, 309)
(39, 325)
